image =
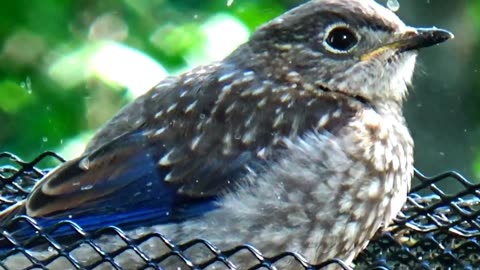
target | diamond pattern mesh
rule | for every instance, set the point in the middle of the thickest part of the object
(436, 230)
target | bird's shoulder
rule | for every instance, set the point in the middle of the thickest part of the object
(205, 126)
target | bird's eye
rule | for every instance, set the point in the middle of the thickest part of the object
(340, 39)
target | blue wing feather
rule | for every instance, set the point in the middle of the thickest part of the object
(124, 186)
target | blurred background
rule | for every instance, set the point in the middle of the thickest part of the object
(67, 66)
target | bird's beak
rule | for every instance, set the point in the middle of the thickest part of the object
(412, 39)
(421, 38)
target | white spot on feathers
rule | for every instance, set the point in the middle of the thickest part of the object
(172, 107)
(166, 159)
(323, 121)
(159, 131)
(278, 120)
(249, 137)
(159, 114)
(226, 77)
(260, 90)
(195, 142)
(262, 102)
(191, 106)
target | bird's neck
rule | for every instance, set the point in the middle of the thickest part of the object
(388, 108)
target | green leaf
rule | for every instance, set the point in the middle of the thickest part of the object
(14, 97)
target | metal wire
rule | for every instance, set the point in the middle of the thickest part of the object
(435, 230)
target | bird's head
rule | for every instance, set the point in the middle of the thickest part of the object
(357, 47)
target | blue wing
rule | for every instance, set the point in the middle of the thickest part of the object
(120, 184)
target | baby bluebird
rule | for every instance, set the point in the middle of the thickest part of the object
(294, 142)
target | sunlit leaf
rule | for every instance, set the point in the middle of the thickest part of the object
(224, 33)
(119, 64)
(177, 39)
(114, 63)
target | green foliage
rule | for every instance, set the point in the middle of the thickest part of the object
(67, 66)
(14, 97)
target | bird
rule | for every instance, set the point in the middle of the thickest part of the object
(295, 142)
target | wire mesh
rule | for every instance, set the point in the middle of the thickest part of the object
(435, 230)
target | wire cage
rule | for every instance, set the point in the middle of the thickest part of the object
(435, 230)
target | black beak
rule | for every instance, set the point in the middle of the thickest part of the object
(413, 39)
(422, 38)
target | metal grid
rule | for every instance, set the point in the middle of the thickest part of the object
(435, 230)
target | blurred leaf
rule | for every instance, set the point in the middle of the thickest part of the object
(13, 97)
(223, 34)
(474, 13)
(114, 63)
(476, 167)
(255, 13)
(177, 39)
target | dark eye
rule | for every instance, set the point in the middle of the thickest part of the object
(341, 39)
